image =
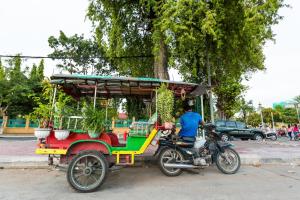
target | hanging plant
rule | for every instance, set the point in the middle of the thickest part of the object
(165, 104)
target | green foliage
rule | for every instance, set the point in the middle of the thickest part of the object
(228, 93)
(165, 103)
(135, 107)
(188, 35)
(93, 119)
(124, 28)
(43, 112)
(79, 55)
(227, 35)
(297, 100)
(254, 119)
(16, 88)
(245, 108)
(61, 108)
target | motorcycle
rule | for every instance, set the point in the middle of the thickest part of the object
(175, 154)
(271, 135)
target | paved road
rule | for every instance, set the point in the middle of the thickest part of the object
(268, 182)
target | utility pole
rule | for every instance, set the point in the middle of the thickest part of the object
(261, 115)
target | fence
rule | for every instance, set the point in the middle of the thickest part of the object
(26, 126)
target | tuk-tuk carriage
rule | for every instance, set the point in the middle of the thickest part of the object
(89, 159)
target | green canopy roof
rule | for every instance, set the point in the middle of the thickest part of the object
(111, 86)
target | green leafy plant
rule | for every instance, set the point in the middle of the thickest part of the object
(61, 108)
(93, 119)
(165, 103)
(42, 113)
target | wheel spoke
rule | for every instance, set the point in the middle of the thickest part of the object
(78, 175)
(86, 161)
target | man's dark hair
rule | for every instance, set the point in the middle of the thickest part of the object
(186, 106)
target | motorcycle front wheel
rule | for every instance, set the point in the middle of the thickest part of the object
(228, 162)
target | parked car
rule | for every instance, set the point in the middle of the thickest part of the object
(229, 129)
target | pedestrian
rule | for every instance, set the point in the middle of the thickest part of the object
(295, 131)
(284, 131)
(290, 131)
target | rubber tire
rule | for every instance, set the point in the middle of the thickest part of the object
(275, 138)
(225, 135)
(256, 134)
(224, 171)
(162, 169)
(105, 166)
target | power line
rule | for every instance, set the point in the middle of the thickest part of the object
(60, 58)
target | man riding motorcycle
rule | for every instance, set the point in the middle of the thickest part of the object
(189, 123)
(189, 126)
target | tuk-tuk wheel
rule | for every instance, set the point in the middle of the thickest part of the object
(87, 171)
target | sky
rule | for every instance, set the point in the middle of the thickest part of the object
(25, 26)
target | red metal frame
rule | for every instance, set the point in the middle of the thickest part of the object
(51, 142)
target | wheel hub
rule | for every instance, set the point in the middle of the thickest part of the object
(87, 171)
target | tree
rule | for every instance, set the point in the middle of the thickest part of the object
(245, 108)
(79, 55)
(3, 91)
(190, 35)
(254, 119)
(17, 88)
(297, 99)
(226, 35)
(126, 28)
(40, 71)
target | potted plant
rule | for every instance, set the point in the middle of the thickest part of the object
(165, 105)
(60, 111)
(93, 121)
(42, 115)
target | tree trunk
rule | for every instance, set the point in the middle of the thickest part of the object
(161, 61)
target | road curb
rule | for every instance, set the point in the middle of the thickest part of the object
(246, 159)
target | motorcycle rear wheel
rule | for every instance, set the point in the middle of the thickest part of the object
(169, 155)
(228, 162)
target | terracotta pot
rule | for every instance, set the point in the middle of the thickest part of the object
(41, 132)
(61, 134)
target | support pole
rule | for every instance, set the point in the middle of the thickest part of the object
(106, 107)
(54, 96)
(156, 106)
(273, 124)
(202, 113)
(261, 116)
(53, 106)
(209, 82)
(202, 108)
(95, 96)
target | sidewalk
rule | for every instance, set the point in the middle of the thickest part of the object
(20, 153)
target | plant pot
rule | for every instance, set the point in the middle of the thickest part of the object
(93, 134)
(168, 125)
(41, 132)
(61, 134)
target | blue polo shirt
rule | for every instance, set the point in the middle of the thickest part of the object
(189, 124)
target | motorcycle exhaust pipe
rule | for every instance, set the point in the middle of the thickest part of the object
(181, 166)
